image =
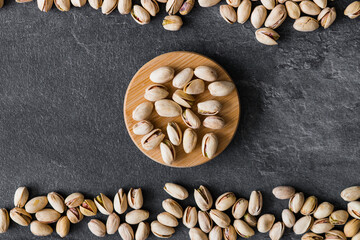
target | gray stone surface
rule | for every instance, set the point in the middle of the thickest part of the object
(63, 77)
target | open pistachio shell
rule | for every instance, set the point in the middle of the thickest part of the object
(143, 127)
(120, 201)
(161, 231)
(135, 198)
(267, 36)
(190, 217)
(156, 92)
(194, 87)
(209, 145)
(140, 15)
(104, 204)
(20, 216)
(205, 221)
(243, 229)
(183, 77)
(183, 99)
(88, 208)
(190, 119)
(209, 107)
(152, 139)
(174, 133)
(168, 152)
(203, 198)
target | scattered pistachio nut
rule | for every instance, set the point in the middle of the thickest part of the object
(104, 204)
(190, 119)
(47, 216)
(108, 6)
(74, 200)
(265, 223)
(156, 92)
(288, 218)
(311, 236)
(162, 75)
(167, 219)
(351, 193)
(187, 7)
(234, 3)
(21, 196)
(126, 232)
(353, 10)
(216, 233)
(339, 217)
(124, 6)
(172, 23)
(173, 207)
(97, 227)
(167, 108)
(214, 122)
(352, 227)
(36, 204)
(176, 191)
(221, 88)
(74, 215)
(183, 77)
(203, 198)
(321, 226)
(310, 205)
(243, 229)
(296, 202)
(268, 4)
(354, 209)
(293, 9)
(228, 13)
(161, 231)
(321, 3)
(230, 233)
(142, 111)
(78, 3)
(194, 87)
(255, 203)
(168, 152)
(323, 210)
(267, 36)
(136, 216)
(140, 15)
(4, 220)
(143, 127)
(309, 7)
(112, 223)
(258, 16)
(239, 208)
(135, 198)
(283, 192)
(45, 5)
(95, 4)
(152, 139)
(276, 17)
(250, 220)
(40, 229)
(173, 6)
(277, 231)
(63, 226)
(302, 225)
(88, 208)
(190, 217)
(151, 6)
(335, 234)
(206, 73)
(244, 11)
(120, 201)
(225, 201)
(20, 216)
(205, 221)
(183, 99)
(56, 201)
(209, 145)
(142, 231)
(189, 140)
(208, 3)
(220, 218)
(197, 234)
(209, 107)
(306, 24)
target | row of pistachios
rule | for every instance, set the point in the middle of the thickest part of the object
(183, 99)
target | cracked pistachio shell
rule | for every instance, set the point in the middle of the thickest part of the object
(194, 87)
(40, 229)
(190, 119)
(63, 226)
(21, 196)
(352, 227)
(88, 208)
(173, 207)
(143, 111)
(221, 88)
(176, 191)
(124, 6)
(296, 202)
(258, 16)
(74, 215)
(267, 36)
(4, 220)
(36, 204)
(45, 5)
(143, 127)
(126, 232)
(265, 223)
(78, 3)
(214, 122)
(209, 107)
(309, 8)
(162, 75)
(302, 225)
(104, 204)
(161, 231)
(56, 201)
(152, 139)
(339, 217)
(167, 108)
(293, 9)
(108, 6)
(321, 3)
(120, 201)
(183, 99)
(173, 6)
(167, 219)
(140, 15)
(190, 217)
(283, 192)
(310, 206)
(47, 216)
(323, 210)
(335, 234)
(230, 233)
(228, 13)
(354, 209)
(189, 140)
(156, 92)
(97, 227)
(276, 17)
(183, 77)
(255, 203)
(74, 200)
(239, 208)
(136, 216)
(172, 23)
(187, 7)
(277, 231)
(205, 221)
(268, 4)
(142, 231)
(216, 233)
(351, 193)
(311, 236)
(208, 3)
(209, 145)
(151, 6)
(135, 198)
(353, 10)
(95, 4)
(220, 218)
(225, 201)
(20, 216)
(112, 223)
(288, 218)
(203, 198)
(197, 234)
(174, 133)
(306, 24)
(233, 3)
(244, 11)
(243, 229)
(207, 73)
(250, 219)
(321, 226)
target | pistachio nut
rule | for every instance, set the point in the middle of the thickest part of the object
(243, 229)
(88, 208)
(136, 216)
(21, 196)
(45, 5)
(78, 3)
(233, 3)
(142, 231)
(214, 122)
(161, 231)
(183, 99)
(197, 234)
(189, 140)
(276, 17)
(36, 204)
(142, 111)
(239, 208)
(190, 119)
(306, 24)
(277, 231)
(74, 200)
(339, 217)
(97, 227)
(135, 198)
(356, 237)
(95, 4)
(216, 233)
(168, 152)
(124, 6)
(327, 16)
(323, 210)
(4, 220)
(56, 201)
(228, 13)
(187, 7)
(250, 220)
(208, 3)
(209, 107)
(167, 219)
(352, 227)
(112, 223)
(220, 218)
(209, 145)
(288, 218)
(176, 191)
(302, 225)
(283, 192)
(296, 202)
(172, 23)
(321, 226)
(335, 234)
(47, 216)
(162, 75)
(143, 127)
(258, 16)
(156, 92)
(267, 36)
(351, 193)
(309, 7)
(104, 204)
(151, 6)
(244, 11)
(126, 232)
(255, 203)
(63, 226)
(321, 3)
(120, 201)
(173, 207)
(203, 198)
(140, 15)
(293, 9)
(174, 133)
(152, 139)
(20, 216)
(229, 233)
(173, 6)
(221, 88)
(108, 6)
(207, 73)
(205, 221)
(74, 215)
(309, 206)
(353, 10)
(225, 201)
(22, 1)
(40, 229)
(183, 77)
(354, 209)
(265, 223)
(268, 4)
(311, 236)
(167, 108)
(196, 86)
(190, 217)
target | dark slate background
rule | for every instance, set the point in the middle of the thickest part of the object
(63, 79)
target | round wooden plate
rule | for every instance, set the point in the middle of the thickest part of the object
(180, 60)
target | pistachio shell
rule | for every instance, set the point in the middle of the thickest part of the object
(190, 119)
(239, 208)
(311, 236)
(142, 111)
(221, 88)
(74, 215)
(183, 99)
(112, 223)
(335, 234)
(309, 206)
(183, 77)
(230, 233)
(203, 198)
(327, 17)
(142, 231)
(339, 217)
(352, 227)
(215, 233)
(174, 133)
(97, 227)
(156, 92)
(306, 24)
(356, 237)
(255, 203)
(302, 225)
(187, 7)
(152, 139)
(225, 201)
(244, 11)
(208, 3)
(173, 6)
(354, 209)
(135, 198)
(162, 75)
(108, 6)
(136, 216)
(288, 218)
(276, 17)
(161, 230)
(250, 219)
(293, 9)
(167, 219)
(265, 223)
(172, 23)
(190, 217)
(56, 201)
(228, 14)
(95, 4)
(321, 226)
(268, 4)
(197, 234)
(209, 107)
(40, 229)
(74, 200)
(167, 108)
(283, 192)
(36, 204)
(194, 87)
(309, 8)
(172, 207)
(214, 122)
(4, 220)
(258, 16)
(176, 191)
(323, 210)
(233, 3)
(321, 3)
(243, 229)
(140, 15)
(45, 5)
(21, 196)
(296, 202)
(220, 218)
(205, 221)
(20, 216)
(47, 216)
(126, 232)
(143, 127)
(120, 201)
(63, 226)
(209, 145)
(353, 10)
(267, 36)
(124, 6)
(78, 3)
(277, 231)
(104, 204)
(88, 208)
(151, 6)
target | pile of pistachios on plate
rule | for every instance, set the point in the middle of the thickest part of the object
(183, 100)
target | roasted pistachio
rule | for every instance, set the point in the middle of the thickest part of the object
(56, 201)
(225, 201)
(152, 139)
(214, 122)
(183, 77)
(323, 210)
(209, 107)
(250, 220)
(187, 7)
(124, 6)
(309, 206)
(120, 201)
(143, 127)
(142, 111)
(293, 9)
(339, 217)
(45, 5)
(176, 191)
(215, 233)
(40, 229)
(108, 6)
(326, 17)
(74, 215)
(96, 4)
(167, 108)
(296, 202)
(172, 23)
(88, 208)
(354, 209)
(258, 16)
(221, 88)
(47, 216)
(288, 218)
(276, 17)
(104, 204)
(97, 227)
(162, 75)
(63, 226)
(309, 7)
(203, 198)
(239, 208)
(194, 87)
(21, 196)
(243, 229)
(156, 92)
(161, 231)
(173, 6)
(267, 36)
(255, 203)
(151, 6)
(205, 221)
(321, 3)
(112, 223)
(174, 133)
(190, 119)
(142, 231)
(321, 226)
(78, 3)
(189, 140)
(265, 223)
(311, 236)
(233, 3)
(136, 216)
(168, 152)
(206, 73)
(190, 217)
(172, 207)
(197, 234)
(352, 227)
(220, 218)
(4, 220)
(283, 192)
(351, 193)
(20, 216)
(209, 145)
(356, 237)
(268, 4)
(228, 13)
(140, 15)
(353, 10)
(183, 99)
(277, 231)
(230, 233)
(36, 204)
(335, 234)
(167, 219)
(74, 200)
(244, 11)
(126, 232)
(302, 225)
(135, 198)
(208, 3)
(306, 24)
